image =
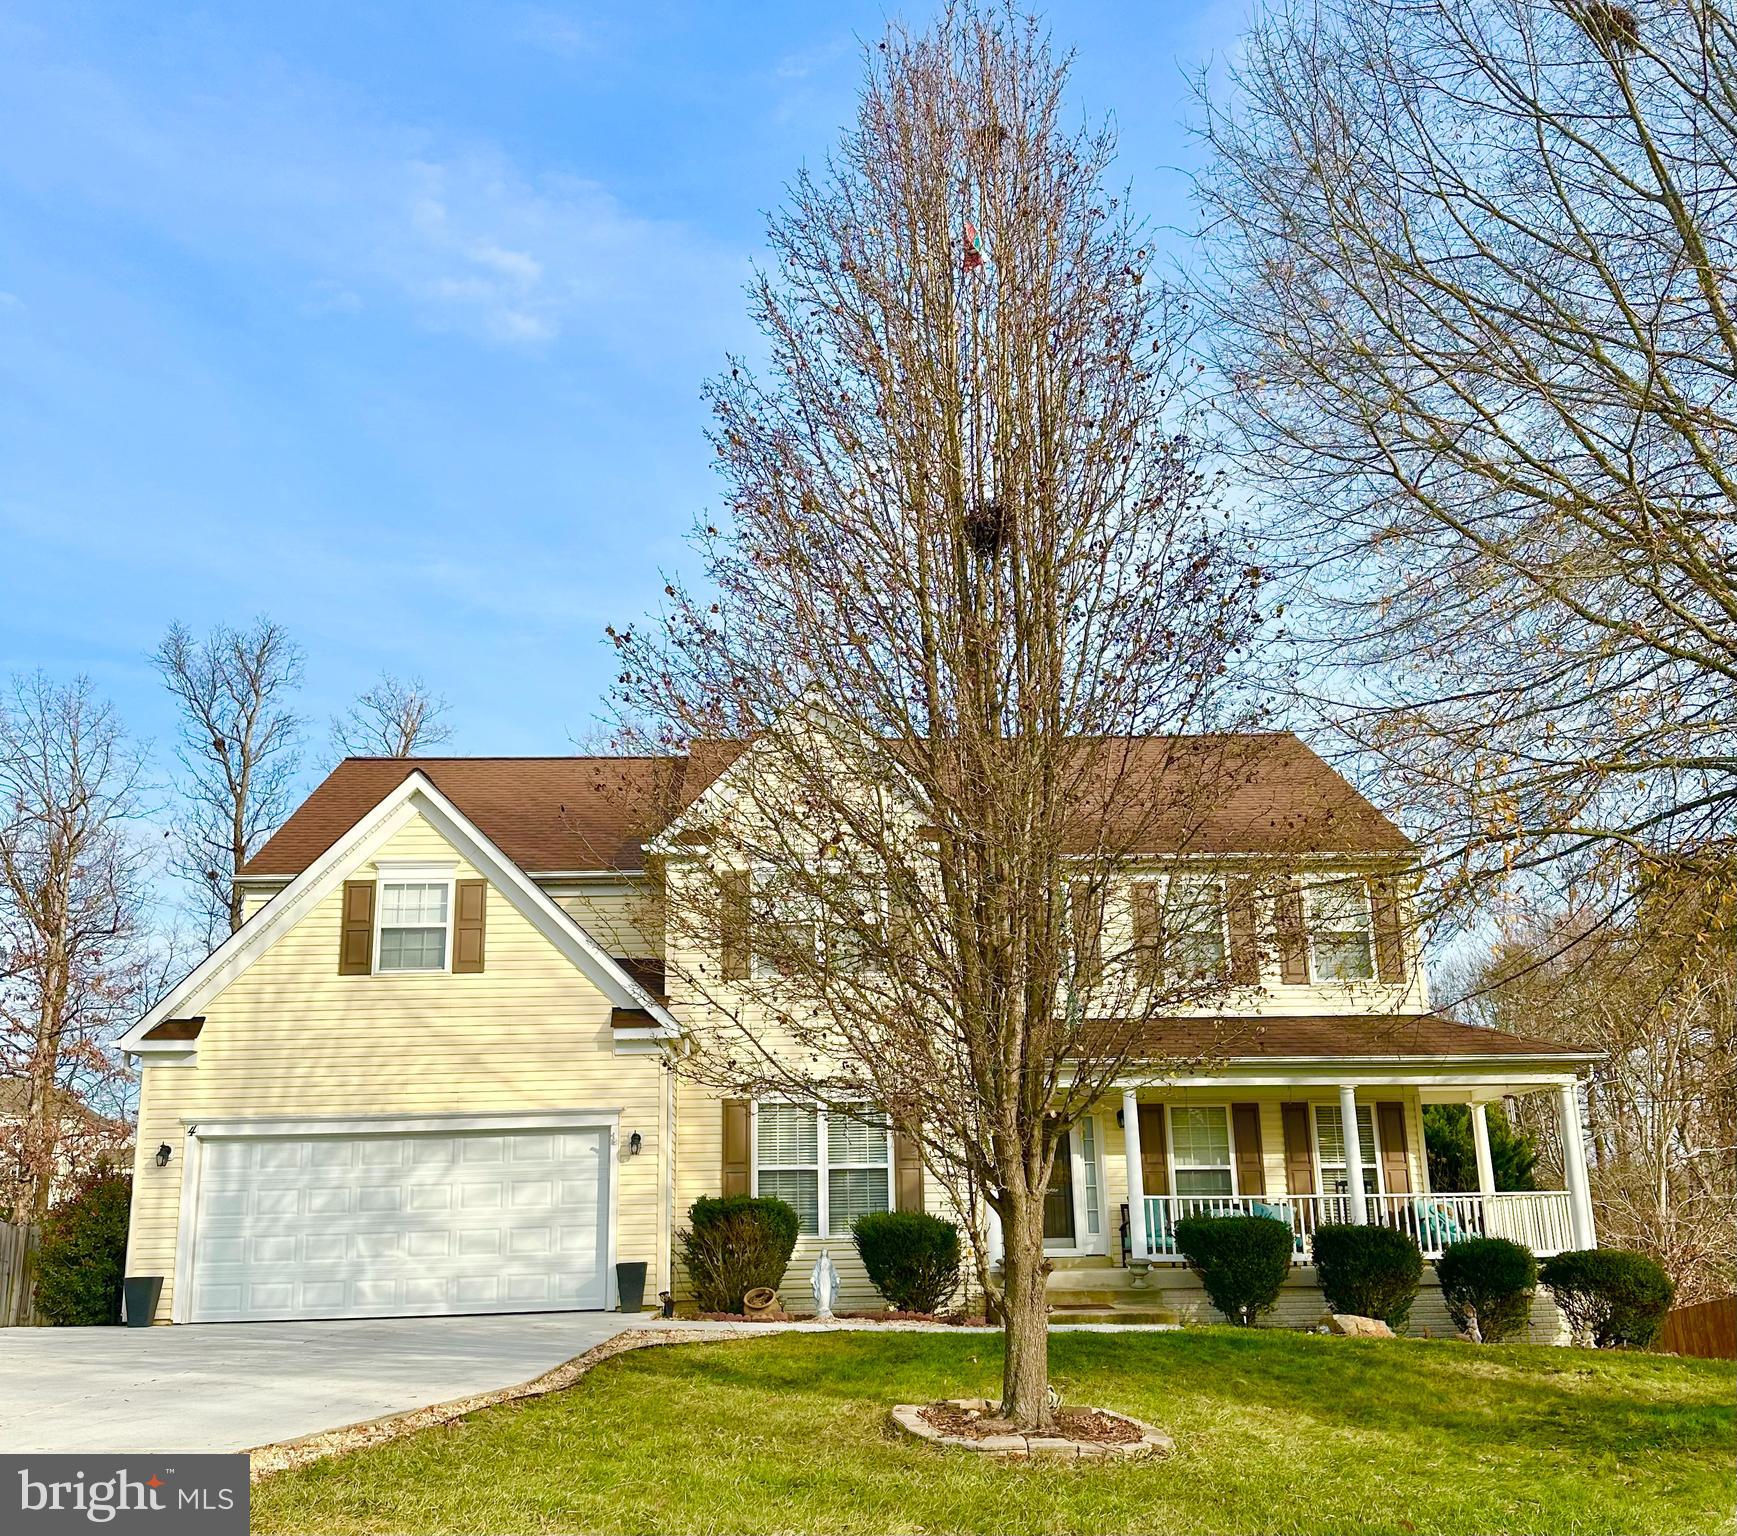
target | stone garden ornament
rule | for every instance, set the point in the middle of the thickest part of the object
(823, 1281)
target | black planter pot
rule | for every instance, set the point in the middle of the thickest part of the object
(630, 1286)
(140, 1293)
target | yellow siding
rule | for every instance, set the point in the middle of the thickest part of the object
(622, 918)
(292, 1036)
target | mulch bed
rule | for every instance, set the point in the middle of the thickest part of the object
(1087, 1424)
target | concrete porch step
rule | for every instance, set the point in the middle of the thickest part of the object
(1110, 1314)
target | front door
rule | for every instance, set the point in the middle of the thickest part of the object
(1058, 1201)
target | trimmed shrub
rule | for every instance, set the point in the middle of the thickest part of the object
(911, 1257)
(83, 1254)
(1611, 1299)
(1241, 1260)
(732, 1244)
(1487, 1284)
(1368, 1271)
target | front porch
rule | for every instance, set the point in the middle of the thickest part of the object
(1306, 1142)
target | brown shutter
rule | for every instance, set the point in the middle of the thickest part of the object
(470, 905)
(1148, 931)
(907, 1173)
(1245, 1132)
(1245, 959)
(356, 929)
(1395, 1168)
(1154, 1162)
(738, 954)
(1299, 1160)
(1086, 920)
(1293, 935)
(1389, 930)
(737, 1140)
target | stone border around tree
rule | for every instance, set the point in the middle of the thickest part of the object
(908, 1418)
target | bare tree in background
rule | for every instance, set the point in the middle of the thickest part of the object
(1471, 271)
(968, 566)
(1657, 992)
(394, 718)
(240, 749)
(75, 961)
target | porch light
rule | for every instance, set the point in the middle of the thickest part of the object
(634, 1143)
(164, 1153)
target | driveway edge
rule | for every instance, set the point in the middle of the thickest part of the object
(266, 1460)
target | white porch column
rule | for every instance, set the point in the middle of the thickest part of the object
(1574, 1165)
(1481, 1146)
(1137, 1250)
(1353, 1155)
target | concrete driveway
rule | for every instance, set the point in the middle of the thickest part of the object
(234, 1386)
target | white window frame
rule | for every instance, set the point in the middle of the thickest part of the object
(1091, 1180)
(822, 1166)
(1315, 972)
(390, 872)
(1176, 1167)
(1215, 879)
(1373, 1159)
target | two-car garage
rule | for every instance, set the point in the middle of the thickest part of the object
(304, 1219)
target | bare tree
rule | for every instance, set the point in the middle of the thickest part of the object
(1470, 265)
(1657, 992)
(968, 595)
(394, 718)
(240, 747)
(74, 953)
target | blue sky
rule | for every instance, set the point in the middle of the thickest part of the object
(391, 320)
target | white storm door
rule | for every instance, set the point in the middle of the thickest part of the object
(401, 1225)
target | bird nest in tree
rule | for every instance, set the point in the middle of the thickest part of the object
(987, 525)
(975, 1424)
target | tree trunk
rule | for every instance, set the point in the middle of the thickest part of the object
(1025, 1317)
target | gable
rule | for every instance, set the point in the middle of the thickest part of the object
(413, 822)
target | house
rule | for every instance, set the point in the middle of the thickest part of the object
(444, 1066)
(85, 1140)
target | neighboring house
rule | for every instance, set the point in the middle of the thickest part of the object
(438, 1070)
(86, 1140)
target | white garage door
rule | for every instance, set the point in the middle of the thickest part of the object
(400, 1225)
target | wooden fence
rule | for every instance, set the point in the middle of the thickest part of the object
(1707, 1329)
(17, 1276)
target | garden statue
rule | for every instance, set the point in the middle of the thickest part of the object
(824, 1283)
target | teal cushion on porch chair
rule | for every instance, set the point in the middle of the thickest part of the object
(1271, 1212)
(1437, 1226)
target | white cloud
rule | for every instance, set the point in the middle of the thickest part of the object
(555, 32)
(284, 171)
(10, 300)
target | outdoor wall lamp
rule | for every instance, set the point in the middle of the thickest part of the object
(634, 1143)
(164, 1153)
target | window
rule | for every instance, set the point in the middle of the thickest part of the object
(1340, 931)
(1089, 1172)
(785, 934)
(787, 1152)
(831, 1167)
(1200, 1150)
(1330, 1143)
(413, 923)
(1194, 926)
(856, 1168)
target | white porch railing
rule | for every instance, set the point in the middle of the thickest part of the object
(1542, 1220)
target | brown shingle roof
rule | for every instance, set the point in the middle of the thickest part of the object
(544, 813)
(1402, 1036)
(1271, 794)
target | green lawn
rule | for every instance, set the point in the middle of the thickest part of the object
(1274, 1431)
